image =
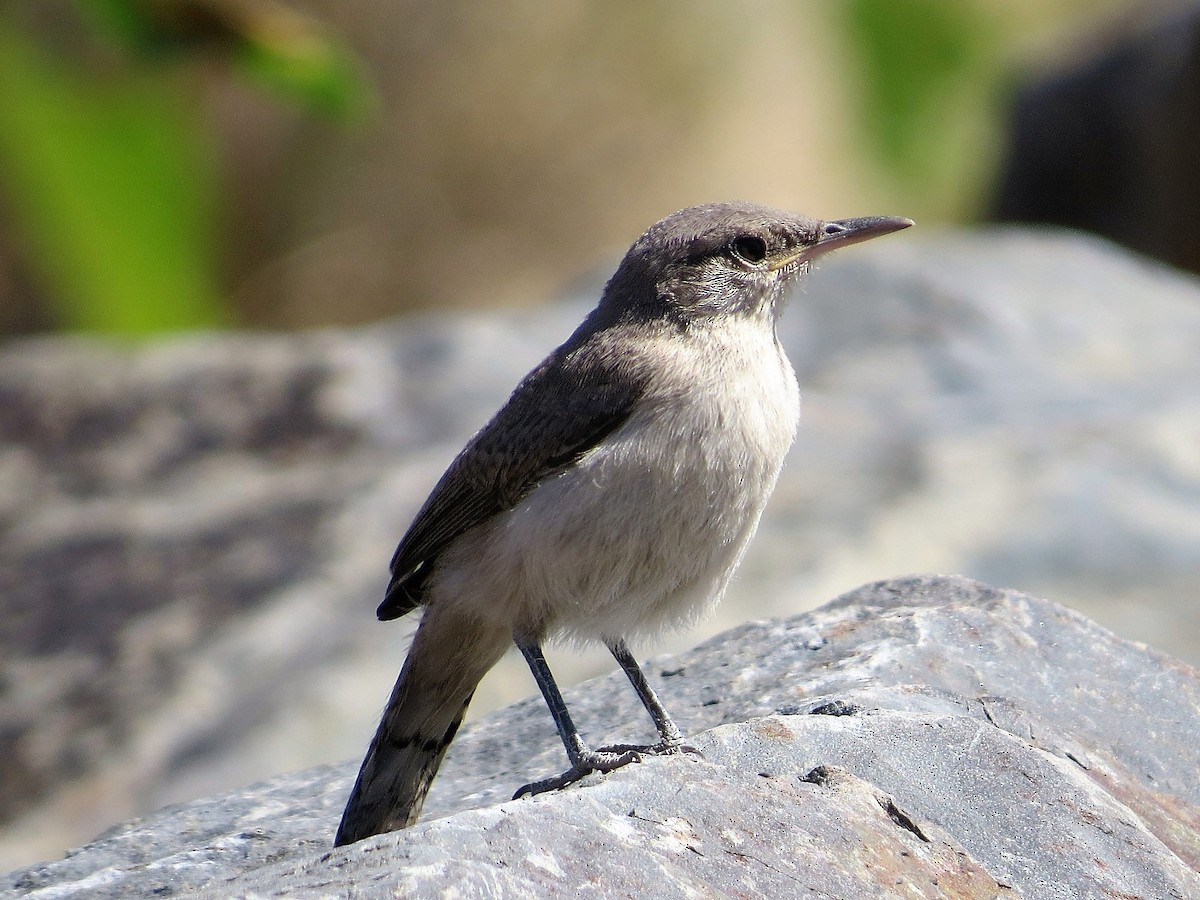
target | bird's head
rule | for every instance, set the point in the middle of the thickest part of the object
(726, 259)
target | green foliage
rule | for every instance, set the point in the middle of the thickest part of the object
(113, 183)
(266, 40)
(109, 168)
(928, 68)
(321, 75)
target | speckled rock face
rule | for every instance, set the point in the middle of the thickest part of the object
(927, 736)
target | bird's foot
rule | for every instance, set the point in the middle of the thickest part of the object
(662, 748)
(606, 759)
(603, 760)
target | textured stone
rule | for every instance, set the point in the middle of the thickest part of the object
(925, 736)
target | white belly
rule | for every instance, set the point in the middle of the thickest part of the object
(644, 533)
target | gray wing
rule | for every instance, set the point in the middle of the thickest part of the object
(559, 412)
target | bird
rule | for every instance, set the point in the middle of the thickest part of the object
(610, 498)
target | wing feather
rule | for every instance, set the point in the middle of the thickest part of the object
(528, 441)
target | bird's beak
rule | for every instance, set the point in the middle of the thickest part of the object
(843, 233)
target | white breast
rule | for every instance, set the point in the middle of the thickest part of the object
(644, 533)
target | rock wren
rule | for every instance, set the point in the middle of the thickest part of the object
(612, 496)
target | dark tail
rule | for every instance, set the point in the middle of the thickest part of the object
(445, 664)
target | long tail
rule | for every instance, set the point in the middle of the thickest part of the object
(447, 659)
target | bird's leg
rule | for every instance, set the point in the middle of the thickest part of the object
(671, 737)
(584, 760)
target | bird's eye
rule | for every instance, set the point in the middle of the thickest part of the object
(749, 248)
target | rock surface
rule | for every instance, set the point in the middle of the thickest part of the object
(193, 533)
(931, 737)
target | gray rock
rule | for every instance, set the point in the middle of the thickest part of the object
(927, 736)
(193, 533)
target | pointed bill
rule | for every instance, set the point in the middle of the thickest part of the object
(842, 233)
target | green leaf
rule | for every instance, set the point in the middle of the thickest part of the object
(113, 183)
(316, 71)
(270, 42)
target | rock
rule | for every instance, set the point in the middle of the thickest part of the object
(931, 736)
(195, 531)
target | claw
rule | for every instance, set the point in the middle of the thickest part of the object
(663, 748)
(603, 760)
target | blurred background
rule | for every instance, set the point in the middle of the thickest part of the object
(261, 167)
(181, 164)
